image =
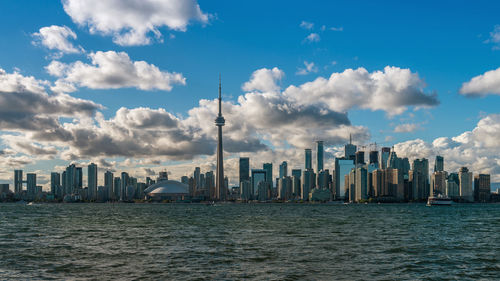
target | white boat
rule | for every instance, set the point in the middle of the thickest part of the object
(439, 200)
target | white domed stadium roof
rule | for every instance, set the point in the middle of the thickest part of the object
(166, 187)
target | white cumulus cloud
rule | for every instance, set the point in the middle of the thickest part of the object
(57, 38)
(482, 85)
(130, 22)
(112, 70)
(313, 37)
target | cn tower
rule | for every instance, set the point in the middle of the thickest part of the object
(219, 122)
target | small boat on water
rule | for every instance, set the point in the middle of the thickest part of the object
(439, 200)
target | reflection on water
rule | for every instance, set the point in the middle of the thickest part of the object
(252, 241)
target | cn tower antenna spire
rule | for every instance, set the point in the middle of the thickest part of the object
(220, 188)
(220, 96)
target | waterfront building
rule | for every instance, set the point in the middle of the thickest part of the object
(384, 156)
(263, 191)
(244, 169)
(361, 184)
(296, 187)
(268, 167)
(308, 158)
(319, 156)
(452, 186)
(69, 179)
(284, 188)
(342, 168)
(378, 183)
(350, 150)
(31, 185)
(373, 157)
(360, 158)
(324, 179)
(108, 184)
(482, 188)
(18, 181)
(308, 183)
(92, 181)
(197, 179)
(258, 175)
(438, 183)
(465, 178)
(55, 183)
(419, 179)
(117, 188)
(320, 195)
(439, 164)
(79, 178)
(246, 190)
(283, 170)
(297, 173)
(124, 181)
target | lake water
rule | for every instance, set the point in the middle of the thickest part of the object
(249, 241)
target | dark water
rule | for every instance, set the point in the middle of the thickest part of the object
(260, 242)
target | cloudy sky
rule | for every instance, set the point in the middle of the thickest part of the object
(131, 84)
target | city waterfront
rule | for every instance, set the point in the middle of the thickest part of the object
(249, 241)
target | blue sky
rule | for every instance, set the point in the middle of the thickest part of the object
(446, 43)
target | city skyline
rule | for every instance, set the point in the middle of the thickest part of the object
(84, 86)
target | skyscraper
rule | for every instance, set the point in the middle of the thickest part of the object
(384, 155)
(308, 158)
(360, 158)
(268, 167)
(374, 157)
(319, 156)
(108, 183)
(79, 177)
(482, 188)
(124, 181)
(350, 150)
(55, 182)
(465, 178)
(31, 184)
(219, 122)
(92, 181)
(244, 169)
(439, 164)
(18, 181)
(283, 170)
(438, 183)
(342, 168)
(258, 175)
(70, 179)
(296, 172)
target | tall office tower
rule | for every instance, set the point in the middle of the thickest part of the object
(219, 122)
(284, 187)
(209, 184)
(296, 186)
(258, 175)
(283, 169)
(405, 167)
(324, 179)
(244, 169)
(393, 161)
(438, 183)
(378, 182)
(79, 177)
(246, 190)
(308, 158)
(395, 182)
(92, 181)
(108, 184)
(117, 188)
(70, 179)
(319, 156)
(31, 184)
(197, 178)
(439, 164)
(55, 182)
(482, 188)
(361, 184)
(351, 185)
(18, 181)
(465, 178)
(360, 158)
(342, 168)
(452, 186)
(124, 181)
(373, 157)
(420, 179)
(384, 156)
(268, 167)
(350, 150)
(297, 173)
(308, 183)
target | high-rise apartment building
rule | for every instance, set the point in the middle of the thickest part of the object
(55, 182)
(108, 183)
(92, 181)
(244, 169)
(465, 178)
(319, 156)
(308, 158)
(18, 181)
(439, 164)
(268, 167)
(283, 170)
(438, 183)
(482, 188)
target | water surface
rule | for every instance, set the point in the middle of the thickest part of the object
(249, 241)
